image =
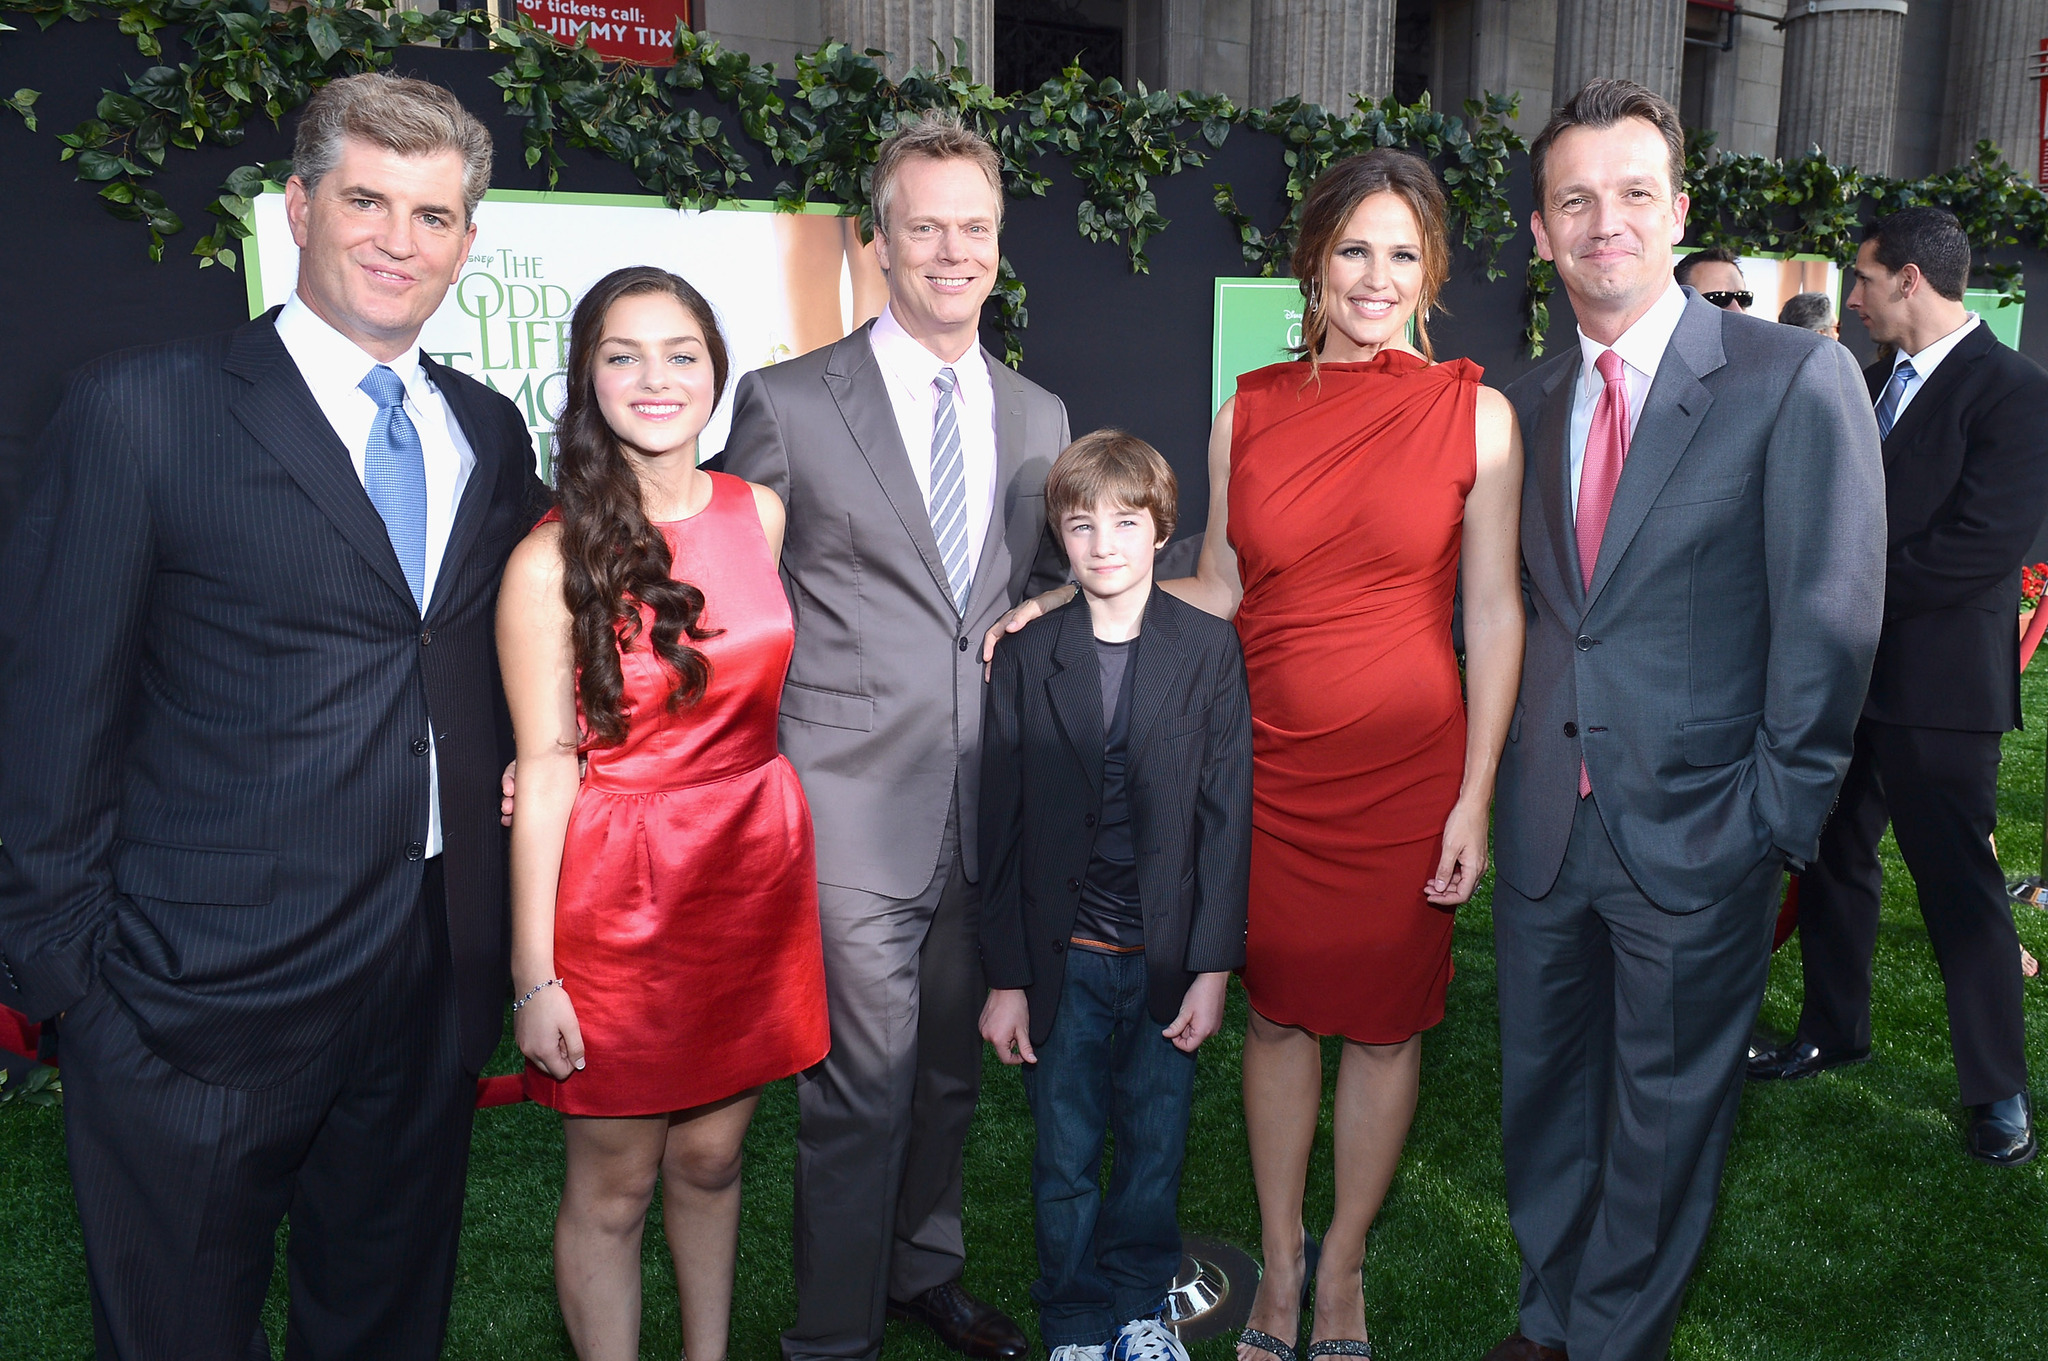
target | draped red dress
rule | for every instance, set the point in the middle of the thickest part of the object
(686, 919)
(1347, 505)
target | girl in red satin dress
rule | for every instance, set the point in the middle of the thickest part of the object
(665, 946)
(1346, 495)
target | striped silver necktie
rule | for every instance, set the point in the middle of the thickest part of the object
(1894, 393)
(949, 490)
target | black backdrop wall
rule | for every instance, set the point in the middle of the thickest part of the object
(1123, 349)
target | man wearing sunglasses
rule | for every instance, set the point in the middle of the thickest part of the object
(1715, 276)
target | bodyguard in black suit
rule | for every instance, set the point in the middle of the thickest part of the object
(252, 730)
(1966, 485)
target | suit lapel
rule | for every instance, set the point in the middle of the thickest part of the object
(475, 501)
(278, 409)
(1672, 413)
(1553, 466)
(989, 573)
(857, 385)
(1935, 391)
(1158, 661)
(1075, 688)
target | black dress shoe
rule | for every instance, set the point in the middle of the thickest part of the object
(1803, 1058)
(1763, 1048)
(964, 1323)
(1518, 1348)
(2002, 1132)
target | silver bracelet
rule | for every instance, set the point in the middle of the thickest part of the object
(550, 983)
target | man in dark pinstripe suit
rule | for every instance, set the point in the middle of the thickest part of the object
(250, 730)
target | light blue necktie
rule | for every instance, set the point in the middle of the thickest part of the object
(949, 490)
(395, 475)
(1894, 393)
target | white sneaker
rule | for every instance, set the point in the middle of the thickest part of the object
(1147, 1339)
(1073, 1351)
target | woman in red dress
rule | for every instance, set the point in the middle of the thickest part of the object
(1346, 495)
(665, 947)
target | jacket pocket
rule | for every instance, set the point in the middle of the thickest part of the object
(1719, 741)
(832, 708)
(1700, 490)
(1183, 724)
(193, 874)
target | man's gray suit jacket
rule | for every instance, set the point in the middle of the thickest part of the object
(1712, 676)
(881, 715)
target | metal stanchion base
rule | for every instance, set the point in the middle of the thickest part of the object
(1212, 1292)
(2029, 891)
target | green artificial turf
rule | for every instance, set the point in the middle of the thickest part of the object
(1851, 1224)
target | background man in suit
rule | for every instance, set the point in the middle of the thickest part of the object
(1966, 483)
(1701, 531)
(913, 465)
(253, 731)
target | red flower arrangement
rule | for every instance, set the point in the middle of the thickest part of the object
(2033, 585)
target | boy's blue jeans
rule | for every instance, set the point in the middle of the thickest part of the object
(1106, 1067)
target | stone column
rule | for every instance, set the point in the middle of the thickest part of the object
(906, 30)
(1326, 51)
(1202, 45)
(1841, 84)
(1495, 47)
(1640, 40)
(1989, 95)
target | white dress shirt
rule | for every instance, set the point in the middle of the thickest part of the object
(1924, 364)
(908, 369)
(332, 366)
(1641, 348)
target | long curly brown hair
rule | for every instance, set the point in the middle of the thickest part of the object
(614, 560)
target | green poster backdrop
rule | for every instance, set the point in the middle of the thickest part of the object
(2003, 321)
(1256, 321)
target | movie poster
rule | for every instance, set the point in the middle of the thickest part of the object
(781, 283)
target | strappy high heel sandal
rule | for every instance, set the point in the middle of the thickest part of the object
(1311, 1254)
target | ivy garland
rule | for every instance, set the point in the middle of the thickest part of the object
(248, 60)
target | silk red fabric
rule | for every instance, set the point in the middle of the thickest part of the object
(1347, 502)
(686, 920)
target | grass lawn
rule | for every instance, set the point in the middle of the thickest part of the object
(1851, 1224)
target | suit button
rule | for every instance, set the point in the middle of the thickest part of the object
(1571, 730)
(419, 746)
(1585, 643)
(1088, 820)
(415, 850)
(1059, 947)
(426, 637)
(1073, 885)
(963, 644)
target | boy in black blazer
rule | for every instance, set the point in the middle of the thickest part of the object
(1116, 848)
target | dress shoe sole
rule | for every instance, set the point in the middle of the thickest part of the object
(2020, 1159)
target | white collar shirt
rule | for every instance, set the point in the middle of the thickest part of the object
(1924, 364)
(332, 366)
(1641, 348)
(908, 371)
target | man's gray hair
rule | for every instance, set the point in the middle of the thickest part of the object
(938, 135)
(1810, 310)
(398, 113)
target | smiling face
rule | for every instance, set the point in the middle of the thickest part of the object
(381, 240)
(1111, 548)
(652, 374)
(1608, 220)
(939, 251)
(1373, 280)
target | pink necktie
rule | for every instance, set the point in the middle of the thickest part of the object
(1606, 451)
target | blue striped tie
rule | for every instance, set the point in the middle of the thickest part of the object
(949, 490)
(1894, 393)
(395, 475)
